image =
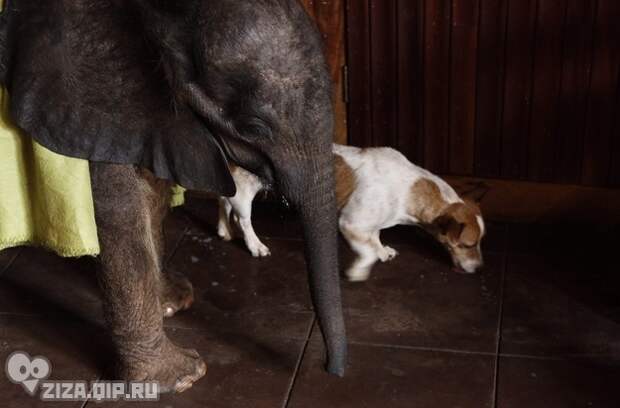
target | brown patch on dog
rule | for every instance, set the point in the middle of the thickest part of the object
(458, 222)
(345, 181)
(425, 201)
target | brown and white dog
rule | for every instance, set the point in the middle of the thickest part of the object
(377, 188)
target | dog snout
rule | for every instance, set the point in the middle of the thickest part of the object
(471, 265)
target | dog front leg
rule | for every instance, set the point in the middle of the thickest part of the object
(130, 278)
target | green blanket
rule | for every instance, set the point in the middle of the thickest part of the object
(45, 198)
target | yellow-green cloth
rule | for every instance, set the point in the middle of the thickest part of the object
(45, 198)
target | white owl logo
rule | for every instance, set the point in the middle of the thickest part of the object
(27, 371)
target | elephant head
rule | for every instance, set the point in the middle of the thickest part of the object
(181, 88)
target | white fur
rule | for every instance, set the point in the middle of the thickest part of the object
(248, 185)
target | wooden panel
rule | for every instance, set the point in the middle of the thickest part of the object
(546, 88)
(517, 94)
(490, 89)
(437, 16)
(330, 17)
(464, 43)
(358, 61)
(515, 89)
(572, 103)
(383, 52)
(614, 177)
(603, 86)
(410, 79)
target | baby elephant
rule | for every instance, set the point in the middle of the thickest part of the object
(376, 188)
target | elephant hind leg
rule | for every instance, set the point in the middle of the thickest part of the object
(176, 292)
(126, 210)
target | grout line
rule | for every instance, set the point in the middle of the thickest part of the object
(500, 320)
(11, 260)
(565, 357)
(176, 246)
(12, 314)
(87, 400)
(277, 238)
(291, 386)
(422, 348)
(530, 357)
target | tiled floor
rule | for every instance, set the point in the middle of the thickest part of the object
(538, 327)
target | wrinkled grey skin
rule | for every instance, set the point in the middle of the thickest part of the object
(246, 78)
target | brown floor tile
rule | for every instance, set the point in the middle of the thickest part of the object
(558, 240)
(242, 372)
(418, 301)
(234, 291)
(6, 257)
(560, 307)
(75, 351)
(390, 377)
(41, 283)
(535, 383)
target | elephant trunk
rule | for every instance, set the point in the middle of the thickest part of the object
(312, 190)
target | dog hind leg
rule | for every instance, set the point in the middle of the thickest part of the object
(361, 244)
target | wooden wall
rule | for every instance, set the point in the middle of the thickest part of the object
(512, 89)
(329, 16)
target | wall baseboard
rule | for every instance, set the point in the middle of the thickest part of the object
(519, 201)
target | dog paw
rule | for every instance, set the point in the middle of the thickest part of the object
(259, 250)
(387, 254)
(357, 274)
(224, 233)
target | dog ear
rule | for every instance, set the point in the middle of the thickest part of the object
(469, 235)
(475, 191)
(448, 226)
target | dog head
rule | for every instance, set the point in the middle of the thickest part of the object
(460, 229)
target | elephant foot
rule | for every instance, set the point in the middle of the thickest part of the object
(174, 368)
(177, 293)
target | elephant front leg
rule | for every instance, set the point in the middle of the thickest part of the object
(131, 281)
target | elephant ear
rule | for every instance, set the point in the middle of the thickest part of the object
(87, 82)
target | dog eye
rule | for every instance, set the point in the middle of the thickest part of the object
(465, 246)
